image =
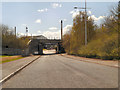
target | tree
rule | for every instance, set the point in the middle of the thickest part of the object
(112, 21)
(9, 39)
(66, 42)
(103, 41)
(76, 38)
(78, 31)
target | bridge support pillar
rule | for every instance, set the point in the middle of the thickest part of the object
(40, 49)
(59, 48)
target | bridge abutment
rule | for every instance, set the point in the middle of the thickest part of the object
(40, 49)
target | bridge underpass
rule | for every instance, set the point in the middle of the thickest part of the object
(36, 46)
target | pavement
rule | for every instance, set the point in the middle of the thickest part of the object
(10, 67)
(56, 71)
(112, 63)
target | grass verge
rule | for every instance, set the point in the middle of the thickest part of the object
(9, 60)
(4, 56)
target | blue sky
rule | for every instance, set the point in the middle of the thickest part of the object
(43, 17)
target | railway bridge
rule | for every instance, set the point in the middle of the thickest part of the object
(37, 45)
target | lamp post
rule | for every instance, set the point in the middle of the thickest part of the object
(85, 20)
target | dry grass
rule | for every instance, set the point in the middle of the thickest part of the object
(10, 58)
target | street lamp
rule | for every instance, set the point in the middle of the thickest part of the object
(85, 20)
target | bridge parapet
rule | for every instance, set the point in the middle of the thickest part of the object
(46, 40)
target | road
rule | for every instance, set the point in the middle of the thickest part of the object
(56, 71)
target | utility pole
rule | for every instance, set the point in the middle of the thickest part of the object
(85, 24)
(85, 20)
(61, 29)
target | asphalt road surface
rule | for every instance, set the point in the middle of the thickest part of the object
(56, 71)
(9, 67)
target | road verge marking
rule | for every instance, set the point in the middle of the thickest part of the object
(17, 71)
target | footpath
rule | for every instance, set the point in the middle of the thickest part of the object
(112, 63)
(10, 67)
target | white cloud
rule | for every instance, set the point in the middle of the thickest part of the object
(77, 12)
(23, 34)
(39, 31)
(96, 18)
(74, 13)
(53, 28)
(55, 5)
(71, 12)
(64, 19)
(38, 21)
(42, 10)
(35, 34)
(67, 28)
(89, 12)
(52, 35)
(57, 34)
